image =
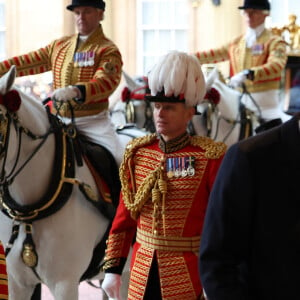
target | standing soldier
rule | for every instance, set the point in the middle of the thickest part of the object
(166, 180)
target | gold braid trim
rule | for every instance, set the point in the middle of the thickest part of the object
(133, 200)
(213, 150)
(114, 262)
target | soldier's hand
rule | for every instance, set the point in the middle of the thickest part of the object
(111, 285)
(66, 93)
(237, 79)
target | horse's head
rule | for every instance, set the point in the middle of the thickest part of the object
(220, 111)
(221, 96)
(7, 80)
(10, 102)
(132, 105)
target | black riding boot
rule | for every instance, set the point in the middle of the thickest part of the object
(37, 294)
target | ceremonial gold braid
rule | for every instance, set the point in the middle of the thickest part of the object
(159, 195)
(213, 150)
(134, 200)
(154, 185)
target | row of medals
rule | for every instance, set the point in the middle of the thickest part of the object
(84, 59)
(180, 166)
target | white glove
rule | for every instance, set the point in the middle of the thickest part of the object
(67, 93)
(111, 285)
(237, 79)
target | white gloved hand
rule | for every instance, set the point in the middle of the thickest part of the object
(111, 285)
(66, 93)
(237, 79)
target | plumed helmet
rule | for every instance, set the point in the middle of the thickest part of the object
(93, 3)
(256, 4)
(177, 77)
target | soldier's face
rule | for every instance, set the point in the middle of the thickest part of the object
(171, 119)
(87, 19)
(254, 17)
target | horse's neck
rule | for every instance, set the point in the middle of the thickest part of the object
(32, 181)
(229, 103)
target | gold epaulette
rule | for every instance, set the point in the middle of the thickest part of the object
(213, 150)
(136, 143)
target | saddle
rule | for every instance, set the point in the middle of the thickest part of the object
(105, 171)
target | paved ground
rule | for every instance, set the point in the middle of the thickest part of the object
(86, 292)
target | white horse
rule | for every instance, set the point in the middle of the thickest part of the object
(224, 121)
(231, 116)
(127, 104)
(226, 115)
(222, 115)
(50, 227)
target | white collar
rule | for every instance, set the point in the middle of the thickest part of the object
(252, 34)
(83, 38)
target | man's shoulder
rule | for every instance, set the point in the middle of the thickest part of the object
(212, 149)
(139, 142)
(63, 39)
(269, 36)
(265, 140)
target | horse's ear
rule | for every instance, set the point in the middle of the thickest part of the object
(7, 80)
(210, 79)
(131, 84)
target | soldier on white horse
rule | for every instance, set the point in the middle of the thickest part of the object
(256, 59)
(86, 70)
(55, 209)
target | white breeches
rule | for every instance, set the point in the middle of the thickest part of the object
(99, 129)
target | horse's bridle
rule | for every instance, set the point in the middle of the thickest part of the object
(243, 117)
(130, 110)
(6, 119)
(59, 191)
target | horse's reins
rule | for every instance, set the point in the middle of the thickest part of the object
(50, 204)
(8, 179)
(60, 187)
(29, 254)
(245, 92)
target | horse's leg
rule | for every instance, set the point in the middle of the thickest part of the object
(17, 292)
(65, 290)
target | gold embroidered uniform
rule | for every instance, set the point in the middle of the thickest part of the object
(3, 275)
(96, 64)
(165, 189)
(267, 58)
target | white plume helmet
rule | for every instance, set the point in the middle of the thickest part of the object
(178, 74)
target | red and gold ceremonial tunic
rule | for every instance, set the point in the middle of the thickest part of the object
(267, 58)
(163, 202)
(95, 64)
(3, 275)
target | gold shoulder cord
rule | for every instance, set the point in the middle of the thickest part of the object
(133, 199)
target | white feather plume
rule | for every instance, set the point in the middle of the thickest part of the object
(178, 73)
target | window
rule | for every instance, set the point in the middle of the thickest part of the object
(280, 10)
(2, 30)
(162, 26)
